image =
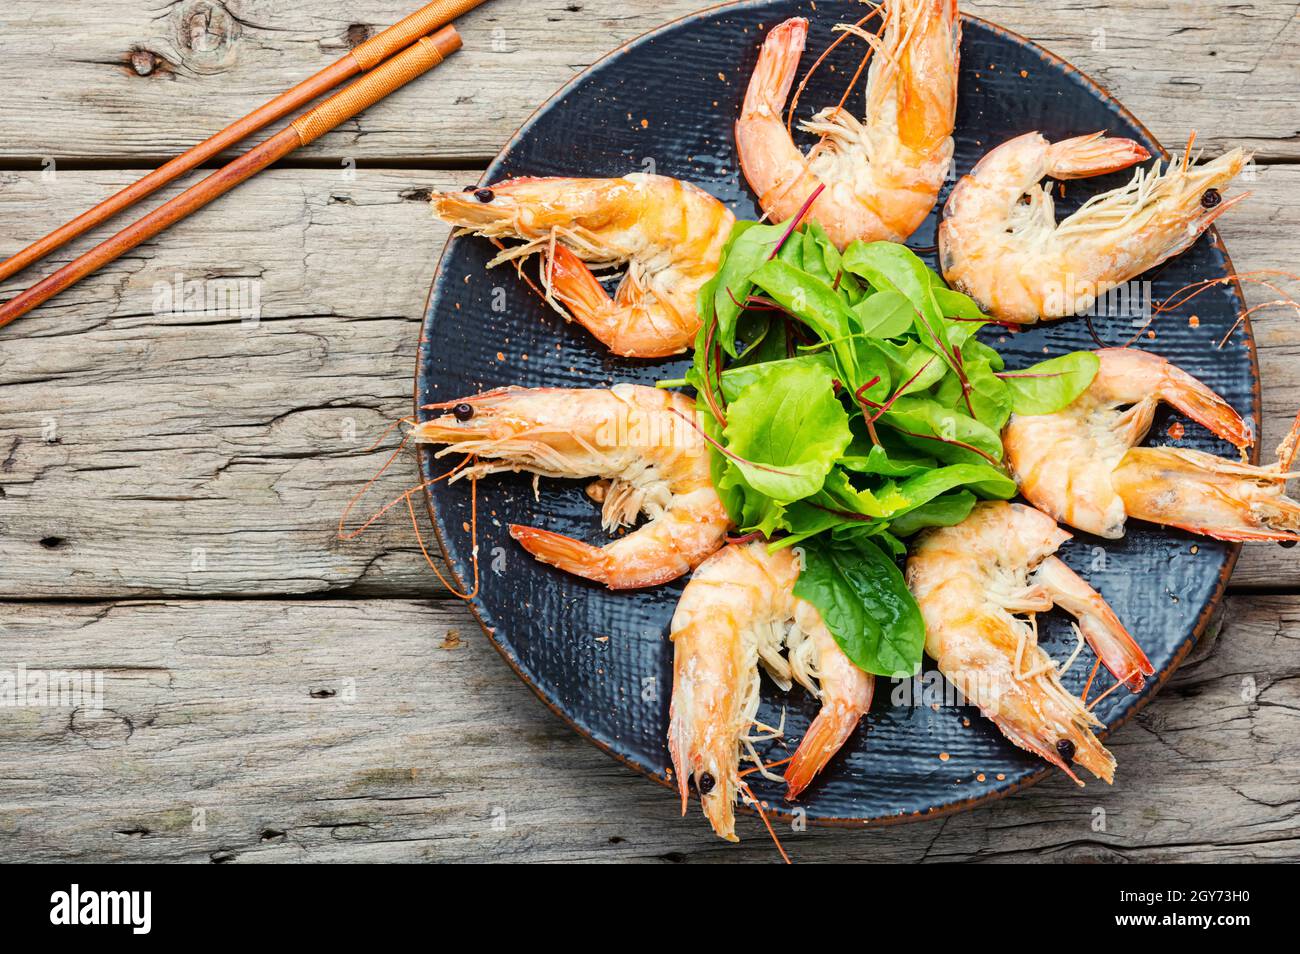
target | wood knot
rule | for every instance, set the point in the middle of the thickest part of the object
(357, 34)
(206, 32)
(144, 62)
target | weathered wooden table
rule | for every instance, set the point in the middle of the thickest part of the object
(170, 479)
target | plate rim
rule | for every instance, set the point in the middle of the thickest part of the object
(1212, 606)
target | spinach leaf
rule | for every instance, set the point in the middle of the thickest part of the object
(890, 267)
(943, 432)
(788, 428)
(885, 464)
(865, 604)
(884, 314)
(981, 478)
(909, 362)
(989, 397)
(807, 298)
(749, 246)
(737, 378)
(1048, 386)
(945, 511)
(840, 494)
(731, 495)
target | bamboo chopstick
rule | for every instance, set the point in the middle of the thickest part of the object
(422, 56)
(365, 57)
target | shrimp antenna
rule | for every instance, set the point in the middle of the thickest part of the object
(844, 35)
(519, 270)
(473, 536)
(1192, 290)
(1092, 705)
(758, 806)
(1087, 686)
(345, 535)
(767, 765)
(371, 482)
(347, 511)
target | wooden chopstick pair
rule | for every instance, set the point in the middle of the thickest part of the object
(416, 54)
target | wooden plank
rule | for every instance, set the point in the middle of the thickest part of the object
(199, 456)
(390, 730)
(127, 80)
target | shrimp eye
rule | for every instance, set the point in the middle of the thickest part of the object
(1066, 748)
(485, 195)
(1210, 198)
(705, 783)
(463, 412)
(1287, 544)
(470, 189)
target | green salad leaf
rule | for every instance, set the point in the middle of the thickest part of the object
(849, 403)
(788, 429)
(865, 604)
(1048, 386)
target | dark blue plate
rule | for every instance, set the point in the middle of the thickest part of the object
(666, 103)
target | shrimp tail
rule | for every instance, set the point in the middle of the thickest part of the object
(1201, 404)
(653, 566)
(760, 123)
(1143, 379)
(826, 735)
(778, 63)
(572, 556)
(574, 284)
(1093, 155)
(1100, 626)
(622, 326)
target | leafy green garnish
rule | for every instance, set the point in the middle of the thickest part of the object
(849, 403)
(1050, 385)
(865, 604)
(788, 429)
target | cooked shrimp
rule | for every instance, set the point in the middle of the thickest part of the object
(669, 234)
(999, 241)
(641, 440)
(739, 610)
(881, 175)
(1081, 464)
(970, 580)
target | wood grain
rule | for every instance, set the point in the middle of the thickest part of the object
(122, 80)
(170, 480)
(390, 730)
(197, 455)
